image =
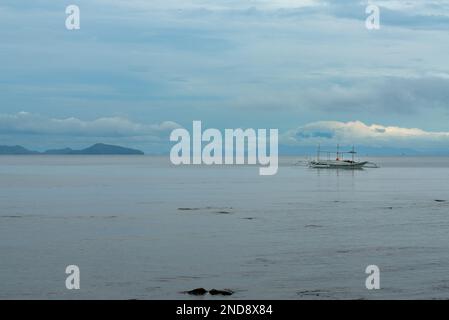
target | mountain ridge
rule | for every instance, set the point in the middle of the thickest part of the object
(95, 149)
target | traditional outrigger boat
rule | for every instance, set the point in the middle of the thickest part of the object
(339, 161)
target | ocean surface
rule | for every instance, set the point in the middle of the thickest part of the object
(141, 228)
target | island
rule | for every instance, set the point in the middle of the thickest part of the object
(96, 149)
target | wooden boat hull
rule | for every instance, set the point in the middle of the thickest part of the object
(337, 164)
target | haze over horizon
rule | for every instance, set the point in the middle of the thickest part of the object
(137, 70)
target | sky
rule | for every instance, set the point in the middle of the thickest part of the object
(137, 69)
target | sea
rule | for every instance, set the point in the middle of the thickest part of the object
(138, 227)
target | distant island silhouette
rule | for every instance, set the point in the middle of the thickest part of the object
(96, 149)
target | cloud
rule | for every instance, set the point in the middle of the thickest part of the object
(229, 62)
(34, 128)
(110, 127)
(211, 5)
(412, 14)
(356, 132)
(388, 94)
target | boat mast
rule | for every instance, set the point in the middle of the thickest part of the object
(318, 153)
(338, 152)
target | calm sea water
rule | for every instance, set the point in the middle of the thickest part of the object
(139, 228)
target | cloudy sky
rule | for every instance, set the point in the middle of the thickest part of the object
(137, 69)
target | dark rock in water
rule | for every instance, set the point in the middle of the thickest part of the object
(197, 292)
(343, 251)
(315, 293)
(188, 209)
(313, 226)
(440, 200)
(225, 292)
(249, 218)
(213, 292)
(224, 212)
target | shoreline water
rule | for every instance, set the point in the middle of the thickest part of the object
(301, 234)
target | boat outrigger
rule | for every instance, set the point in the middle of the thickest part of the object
(339, 161)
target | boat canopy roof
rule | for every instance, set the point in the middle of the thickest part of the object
(324, 151)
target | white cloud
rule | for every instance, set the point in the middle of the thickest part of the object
(213, 5)
(122, 129)
(359, 133)
(29, 123)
